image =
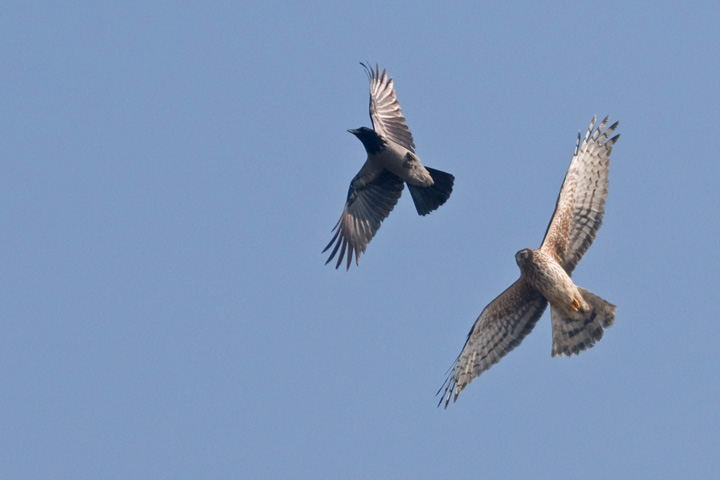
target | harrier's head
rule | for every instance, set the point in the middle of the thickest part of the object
(523, 257)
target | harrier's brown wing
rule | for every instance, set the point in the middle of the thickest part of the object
(581, 204)
(500, 328)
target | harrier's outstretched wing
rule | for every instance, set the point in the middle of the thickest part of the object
(500, 328)
(581, 203)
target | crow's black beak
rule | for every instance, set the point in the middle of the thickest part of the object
(354, 131)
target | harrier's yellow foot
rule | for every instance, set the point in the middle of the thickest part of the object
(575, 305)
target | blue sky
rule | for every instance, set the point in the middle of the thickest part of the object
(172, 170)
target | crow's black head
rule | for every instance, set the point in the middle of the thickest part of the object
(372, 141)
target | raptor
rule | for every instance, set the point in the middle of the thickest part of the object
(578, 316)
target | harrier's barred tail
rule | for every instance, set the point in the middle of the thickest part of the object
(572, 336)
(427, 199)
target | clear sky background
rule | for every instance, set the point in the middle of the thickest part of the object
(172, 170)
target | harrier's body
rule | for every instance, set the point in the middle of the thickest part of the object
(546, 275)
(578, 316)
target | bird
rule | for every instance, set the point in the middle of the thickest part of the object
(578, 317)
(391, 162)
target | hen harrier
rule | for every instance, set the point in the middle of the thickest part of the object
(391, 163)
(577, 316)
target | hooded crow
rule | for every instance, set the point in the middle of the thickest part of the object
(391, 163)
